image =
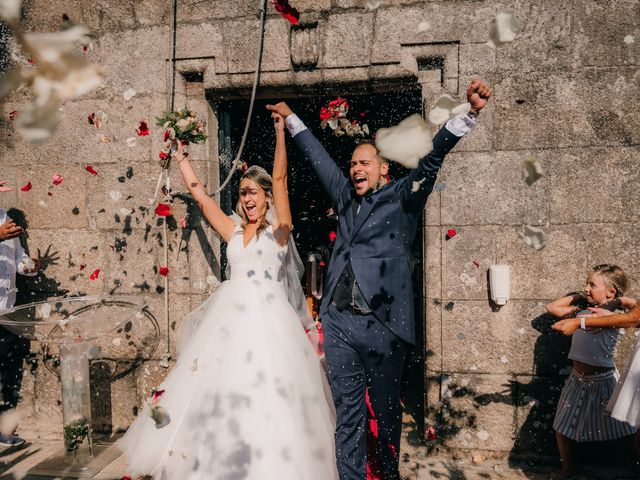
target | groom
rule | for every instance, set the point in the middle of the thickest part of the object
(367, 310)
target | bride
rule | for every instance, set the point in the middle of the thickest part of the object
(247, 398)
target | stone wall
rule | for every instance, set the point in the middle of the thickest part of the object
(565, 93)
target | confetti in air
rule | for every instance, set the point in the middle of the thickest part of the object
(406, 143)
(533, 237)
(504, 29)
(531, 170)
(446, 107)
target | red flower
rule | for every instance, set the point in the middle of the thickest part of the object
(332, 236)
(91, 170)
(431, 433)
(287, 11)
(163, 210)
(450, 234)
(27, 187)
(95, 274)
(164, 271)
(156, 394)
(163, 156)
(57, 179)
(143, 129)
(325, 114)
(166, 135)
(12, 115)
(83, 266)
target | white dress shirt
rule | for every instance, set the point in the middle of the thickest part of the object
(12, 261)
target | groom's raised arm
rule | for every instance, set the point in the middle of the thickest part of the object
(420, 181)
(331, 177)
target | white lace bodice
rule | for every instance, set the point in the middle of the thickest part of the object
(261, 259)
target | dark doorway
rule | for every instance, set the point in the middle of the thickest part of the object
(313, 217)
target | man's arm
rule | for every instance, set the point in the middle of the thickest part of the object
(331, 177)
(420, 181)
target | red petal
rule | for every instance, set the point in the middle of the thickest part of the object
(27, 187)
(91, 170)
(91, 119)
(431, 433)
(57, 179)
(163, 155)
(12, 115)
(83, 266)
(143, 129)
(183, 222)
(332, 236)
(287, 11)
(163, 210)
(451, 233)
(164, 271)
(95, 274)
(31, 61)
(166, 135)
(156, 395)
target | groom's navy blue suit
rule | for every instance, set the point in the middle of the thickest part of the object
(369, 349)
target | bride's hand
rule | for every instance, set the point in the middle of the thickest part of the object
(278, 122)
(181, 151)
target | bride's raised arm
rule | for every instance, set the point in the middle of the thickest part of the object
(222, 224)
(279, 177)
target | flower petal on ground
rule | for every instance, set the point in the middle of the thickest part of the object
(91, 170)
(163, 210)
(27, 187)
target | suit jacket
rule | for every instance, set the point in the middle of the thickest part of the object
(378, 240)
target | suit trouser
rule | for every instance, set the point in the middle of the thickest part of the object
(362, 352)
(13, 350)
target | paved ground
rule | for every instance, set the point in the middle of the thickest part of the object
(14, 465)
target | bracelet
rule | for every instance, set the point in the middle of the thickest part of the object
(583, 323)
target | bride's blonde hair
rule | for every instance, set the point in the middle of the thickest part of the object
(260, 176)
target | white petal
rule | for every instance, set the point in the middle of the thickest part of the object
(129, 94)
(9, 419)
(37, 124)
(629, 40)
(504, 29)
(10, 10)
(406, 143)
(441, 111)
(533, 237)
(10, 81)
(160, 416)
(373, 4)
(115, 195)
(531, 170)
(132, 142)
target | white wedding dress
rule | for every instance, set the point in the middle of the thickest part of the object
(248, 398)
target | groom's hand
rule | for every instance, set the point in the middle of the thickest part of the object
(478, 95)
(281, 109)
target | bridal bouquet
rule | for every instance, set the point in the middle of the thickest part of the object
(334, 115)
(183, 125)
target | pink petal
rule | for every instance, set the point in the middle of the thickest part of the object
(57, 179)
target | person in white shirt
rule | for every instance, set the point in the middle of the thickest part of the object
(13, 349)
